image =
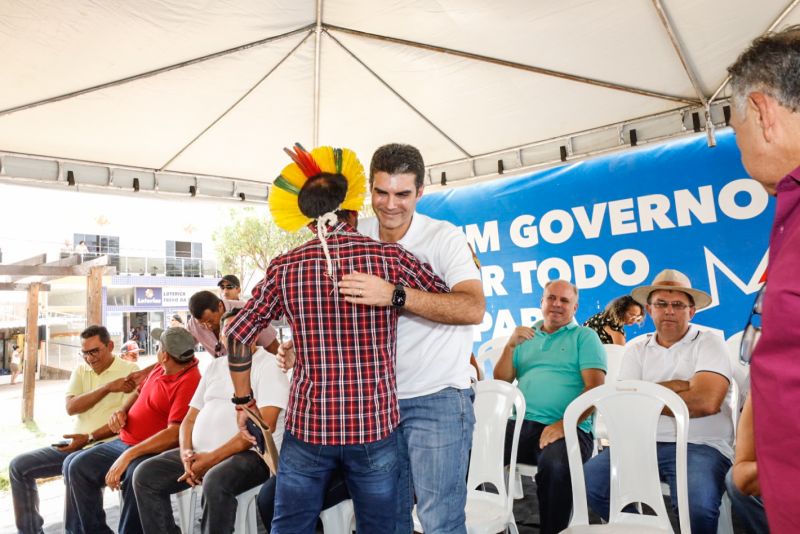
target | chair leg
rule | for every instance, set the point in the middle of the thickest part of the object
(518, 493)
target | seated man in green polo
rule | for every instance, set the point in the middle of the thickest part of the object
(554, 361)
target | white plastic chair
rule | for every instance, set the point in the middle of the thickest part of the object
(631, 409)
(489, 513)
(245, 522)
(725, 522)
(488, 354)
(339, 519)
(614, 355)
(741, 372)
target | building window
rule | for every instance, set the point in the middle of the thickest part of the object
(184, 258)
(98, 244)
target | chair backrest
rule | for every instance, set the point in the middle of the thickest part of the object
(488, 354)
(631, 410)
(613, 362)
(494, 400)
(741, 372)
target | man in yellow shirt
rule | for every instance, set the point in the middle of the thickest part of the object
(97, 388)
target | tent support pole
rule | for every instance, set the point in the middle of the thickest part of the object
(514, 65)
(785, 13)
(154, 72)
(317, 63)
(232, 106)
(676, 44)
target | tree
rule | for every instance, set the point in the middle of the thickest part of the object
(247, 244)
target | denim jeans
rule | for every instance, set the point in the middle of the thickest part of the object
(370, 472)
(85, 474)
(434, 439)
(157, 478)
(23, 472)
(748, 508)
(553, 485)
(706, 468)
(336, 493)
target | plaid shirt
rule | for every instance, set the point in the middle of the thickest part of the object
(343, 389)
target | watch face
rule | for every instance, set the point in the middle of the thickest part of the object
(399, 297)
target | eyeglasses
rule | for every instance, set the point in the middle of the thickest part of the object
(223, 286)
(91, 352)
(752, 332)
(676, 305)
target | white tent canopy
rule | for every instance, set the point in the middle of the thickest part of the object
(205, 93)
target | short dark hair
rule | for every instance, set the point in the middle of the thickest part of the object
(177, 317)
(15, 347)
(99, 331)
(322, 194)
(395, 158)
(771, 64)
(202, 301)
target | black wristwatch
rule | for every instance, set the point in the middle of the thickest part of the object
(242, 400)
(399, 296)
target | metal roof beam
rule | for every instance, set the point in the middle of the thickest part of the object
(232, 106)
(514, 65)
(783, 14)
(154, 72)
(398, 95)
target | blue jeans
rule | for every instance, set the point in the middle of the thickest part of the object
(748, 508)
(433, 443)
(23, 472)
(370, 472)
(336, 493)
(706, 468)
(85, 475)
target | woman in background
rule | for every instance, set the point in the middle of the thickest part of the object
(609, 323)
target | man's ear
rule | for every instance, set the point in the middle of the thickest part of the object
(420, 190)
(765, 113)
(110, 346)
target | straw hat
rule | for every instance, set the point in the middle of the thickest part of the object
(672, 280)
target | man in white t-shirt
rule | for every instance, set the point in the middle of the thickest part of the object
(434, 343)
(212, 451)
(695, 365)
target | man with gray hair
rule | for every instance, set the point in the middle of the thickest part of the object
(765, 81)
(554, 361)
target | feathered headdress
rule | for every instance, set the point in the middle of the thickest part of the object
(285, 189)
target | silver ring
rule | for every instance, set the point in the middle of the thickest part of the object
(360, 293)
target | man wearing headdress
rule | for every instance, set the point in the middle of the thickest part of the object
(342, 404)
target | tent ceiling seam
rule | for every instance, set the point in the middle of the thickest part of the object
(785, 13)
(155, 72)
(236, 103)
(398, 95)
(515, 65)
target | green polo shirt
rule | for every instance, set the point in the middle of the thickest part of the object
(549, 369)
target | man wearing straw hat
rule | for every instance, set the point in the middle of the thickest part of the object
(694, 364)
(343, 403)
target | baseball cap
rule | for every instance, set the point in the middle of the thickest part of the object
(176, 341)
(231, 279)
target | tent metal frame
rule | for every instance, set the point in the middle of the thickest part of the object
(318, 28)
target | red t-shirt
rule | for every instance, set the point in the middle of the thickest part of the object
(163, 400)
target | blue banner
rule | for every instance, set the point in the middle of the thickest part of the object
(612, 223)
(148, 297)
